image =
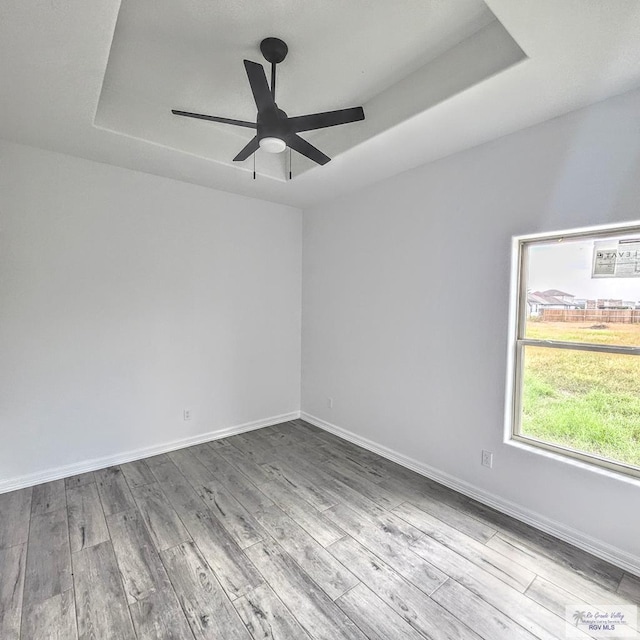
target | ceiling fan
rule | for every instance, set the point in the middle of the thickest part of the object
(275, 130)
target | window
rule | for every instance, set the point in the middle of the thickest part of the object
(576, 366)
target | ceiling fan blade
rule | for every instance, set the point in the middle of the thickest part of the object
(302, 146)
(248, 150)
(259, 87)
(326, 119)
(200, 116)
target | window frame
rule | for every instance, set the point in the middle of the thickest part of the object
(519, 342)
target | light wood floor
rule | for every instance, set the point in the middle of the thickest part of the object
(286, 532)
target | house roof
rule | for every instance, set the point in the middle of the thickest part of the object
(557, 292)
(544, 298)
(534, 298)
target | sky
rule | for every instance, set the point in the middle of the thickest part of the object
(567, 266)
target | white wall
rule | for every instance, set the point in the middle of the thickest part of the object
(125, 298)
(406, 298)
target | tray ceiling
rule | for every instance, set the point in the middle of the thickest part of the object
(395, 62)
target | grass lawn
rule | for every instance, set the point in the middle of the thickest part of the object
(581, 399)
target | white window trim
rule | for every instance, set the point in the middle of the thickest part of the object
(516, 343)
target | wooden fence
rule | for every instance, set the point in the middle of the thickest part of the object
(595, 316)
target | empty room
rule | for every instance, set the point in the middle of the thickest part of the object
(319, 320)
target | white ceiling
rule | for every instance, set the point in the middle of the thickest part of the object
(79, 78)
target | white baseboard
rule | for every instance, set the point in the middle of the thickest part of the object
(65, 471)
(596, 547)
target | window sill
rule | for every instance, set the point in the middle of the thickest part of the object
(531, 446)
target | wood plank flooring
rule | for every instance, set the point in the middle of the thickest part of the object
(287, 533)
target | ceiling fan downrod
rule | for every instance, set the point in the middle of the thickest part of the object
(274, 51)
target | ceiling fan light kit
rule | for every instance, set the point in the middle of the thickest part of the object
(273, 145)
(275, 130)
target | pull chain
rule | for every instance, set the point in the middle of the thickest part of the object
(254, 166)
(289, 163)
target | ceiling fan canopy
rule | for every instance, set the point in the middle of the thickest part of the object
(275, 130)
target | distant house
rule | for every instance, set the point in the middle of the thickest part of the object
(617, 303)
(537, 301)
(551, 299)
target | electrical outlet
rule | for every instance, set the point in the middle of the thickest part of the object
(330, 403)
(186, 414)
(487, 459)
